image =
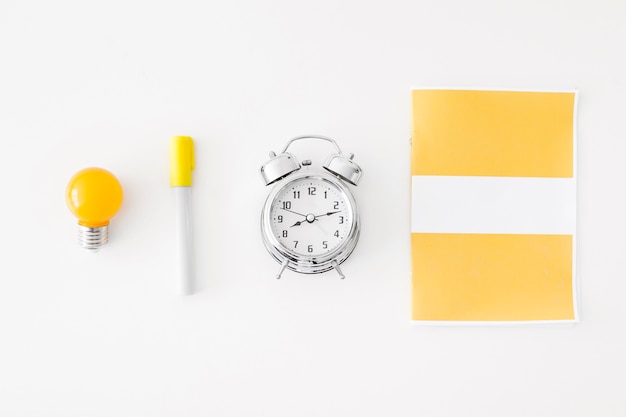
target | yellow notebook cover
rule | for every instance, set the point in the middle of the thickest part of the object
(493, 206)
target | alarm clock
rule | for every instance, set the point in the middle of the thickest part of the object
(310, 221)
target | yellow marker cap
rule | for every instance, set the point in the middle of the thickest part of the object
(181, 161)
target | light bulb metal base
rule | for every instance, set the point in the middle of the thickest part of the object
(92, 238)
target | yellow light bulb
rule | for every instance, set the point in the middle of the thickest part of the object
(94, 196)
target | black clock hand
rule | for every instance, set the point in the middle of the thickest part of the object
(298, 223)
(309, 218)
(327, 214)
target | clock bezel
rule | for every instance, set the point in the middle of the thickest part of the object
(302, 263)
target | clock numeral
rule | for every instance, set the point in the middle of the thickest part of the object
(340, 219)
(284, 233)
(280, 219)
(336, 206)
(295, 244)
(325, 194)
(336, 234)
(325, 244)
(286, 205)
(296, 194)
(312, 191)
(309, 248)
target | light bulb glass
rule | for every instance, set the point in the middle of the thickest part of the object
(94, 196)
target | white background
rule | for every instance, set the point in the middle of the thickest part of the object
(108, 83)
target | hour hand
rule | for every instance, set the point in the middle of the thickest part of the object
(309, 218)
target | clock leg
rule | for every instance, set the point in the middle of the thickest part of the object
(336, 266)
(282, 268)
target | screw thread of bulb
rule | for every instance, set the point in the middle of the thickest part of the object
(93, 238)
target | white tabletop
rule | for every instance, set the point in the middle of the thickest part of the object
(107, 84)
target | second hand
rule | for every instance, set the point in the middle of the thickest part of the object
(294, 212)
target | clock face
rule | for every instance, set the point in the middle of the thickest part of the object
(311, 216)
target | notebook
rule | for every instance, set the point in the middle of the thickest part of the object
(493, 206)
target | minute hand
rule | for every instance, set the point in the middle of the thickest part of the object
(326, 214)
